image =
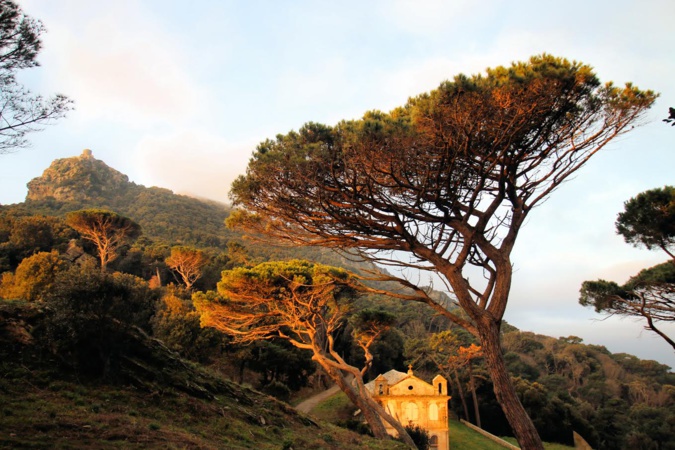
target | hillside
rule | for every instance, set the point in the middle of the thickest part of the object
(157, 400)
(83, 181)
(79, 182)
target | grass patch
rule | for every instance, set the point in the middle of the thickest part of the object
(547, 445)
(334, 409)
(464, 438)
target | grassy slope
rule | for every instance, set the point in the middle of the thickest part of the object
(63, 414)
(44, 406)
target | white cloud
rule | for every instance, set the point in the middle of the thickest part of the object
(192, 162)
(119, 64)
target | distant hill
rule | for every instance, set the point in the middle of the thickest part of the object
(85, 182)
(69, 184)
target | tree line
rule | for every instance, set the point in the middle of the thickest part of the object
(614, 401)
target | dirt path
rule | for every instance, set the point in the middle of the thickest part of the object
(309, 404)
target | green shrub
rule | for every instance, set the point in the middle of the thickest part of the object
(278, 390)
(355, 425)
(89, 315)
(419, 435)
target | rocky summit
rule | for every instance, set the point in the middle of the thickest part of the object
(81, 182)
(77, 179)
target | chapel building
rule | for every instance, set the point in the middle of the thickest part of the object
(413, 401)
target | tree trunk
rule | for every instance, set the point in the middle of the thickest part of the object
(651, 326)
(472, 384)
(373, 419)
(461, 394)
(515, 413)
(400, 429)
(104, 262)
(665, 337)
(242, 366)
(358, 378)
(371, 410)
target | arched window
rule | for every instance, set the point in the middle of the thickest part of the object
(433, 411)
(433, 442)
(440, 388)
(411, 411)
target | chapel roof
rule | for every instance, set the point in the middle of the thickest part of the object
(393, 377)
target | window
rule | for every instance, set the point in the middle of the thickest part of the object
(411, 411)
(433, 411)
(433, 442)
(440, 388)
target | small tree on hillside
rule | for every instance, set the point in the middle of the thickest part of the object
(305, 304)
(91, 314)
(188, 263)
(107, 230)
(442, 351)
(367, 326)
(442, 184)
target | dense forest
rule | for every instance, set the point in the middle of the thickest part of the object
(612, 400)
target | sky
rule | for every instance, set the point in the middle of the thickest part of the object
(178, 94)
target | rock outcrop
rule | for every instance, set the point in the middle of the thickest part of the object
(81, 182)
(78, 179)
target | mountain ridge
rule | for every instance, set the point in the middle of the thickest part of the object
(83, 181)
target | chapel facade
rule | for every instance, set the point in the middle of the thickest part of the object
(413, 401)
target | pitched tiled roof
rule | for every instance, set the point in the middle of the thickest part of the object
(392, 377)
